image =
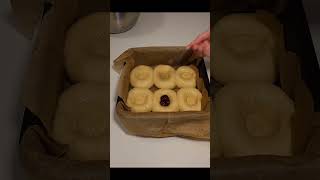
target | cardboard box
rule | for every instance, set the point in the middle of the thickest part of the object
(298, 70)
(42, 157)
(195, 125)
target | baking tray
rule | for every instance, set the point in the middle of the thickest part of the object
(202, 74)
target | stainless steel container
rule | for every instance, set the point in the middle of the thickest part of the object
(122, 21)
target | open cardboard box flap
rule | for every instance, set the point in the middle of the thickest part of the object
(153, 124)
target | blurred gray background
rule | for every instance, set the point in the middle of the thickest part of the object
(15, 50)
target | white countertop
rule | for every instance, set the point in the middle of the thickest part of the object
(155, 29)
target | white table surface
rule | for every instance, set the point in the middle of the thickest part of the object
(155, 29)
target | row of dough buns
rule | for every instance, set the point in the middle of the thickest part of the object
(164, 100)
(163, 77)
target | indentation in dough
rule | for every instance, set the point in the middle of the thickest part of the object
(140, 100)
(141, 76)
(189, 99)
(164, 77)
(185, 77)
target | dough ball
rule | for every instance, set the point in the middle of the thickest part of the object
(86, 49)
(165, 100)
(164, 77)
(243, 50)
(253, 119)
(189, 99)
(142, 77)
(140, 100)
(81, 121)
(186, 77)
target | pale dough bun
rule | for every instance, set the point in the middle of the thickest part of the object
(253, 119)
(141, 77)
(186, 77)
(81, 121)
(164, 77)
(86, 49)
(172, 107)
(243, 50)
(140, 100)
(189, 99)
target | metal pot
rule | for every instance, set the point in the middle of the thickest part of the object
(122, 21)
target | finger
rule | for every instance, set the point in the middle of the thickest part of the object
(206, 52)
(195, 49)
(202, 37)
(195, 46)
(206, 49)
(200, 51)
(190, 46)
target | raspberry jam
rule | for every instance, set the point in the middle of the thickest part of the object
(164, 100)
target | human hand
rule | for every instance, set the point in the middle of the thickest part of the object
(201, 45)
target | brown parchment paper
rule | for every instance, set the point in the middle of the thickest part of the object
(42, 157)
(305, 132)
(195, 125)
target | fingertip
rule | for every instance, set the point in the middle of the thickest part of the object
(189, 45)
(198, 51)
